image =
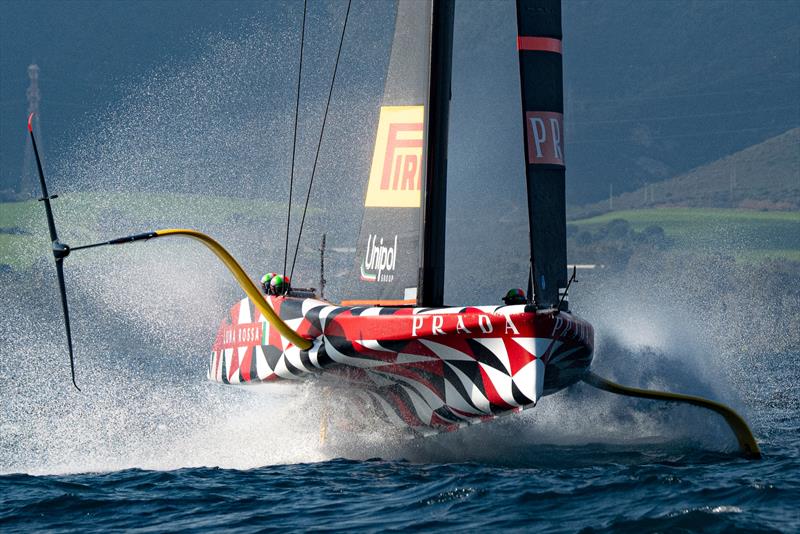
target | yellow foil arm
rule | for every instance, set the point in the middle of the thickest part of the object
(244, 281)
(747, 442)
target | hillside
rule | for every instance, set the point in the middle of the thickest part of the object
(763, 176)
(746, 235)
(86, 217)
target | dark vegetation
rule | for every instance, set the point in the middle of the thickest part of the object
(613, 245)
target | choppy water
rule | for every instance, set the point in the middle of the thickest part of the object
(555, 488)
(607, 491)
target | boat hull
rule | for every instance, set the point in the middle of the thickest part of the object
(424, 368)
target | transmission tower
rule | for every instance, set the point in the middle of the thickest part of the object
(28, 180)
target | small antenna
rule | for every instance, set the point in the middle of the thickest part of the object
(322, 268)
(572, 278)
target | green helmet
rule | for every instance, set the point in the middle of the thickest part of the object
(265, 280)
(279, 284)
(514, 296)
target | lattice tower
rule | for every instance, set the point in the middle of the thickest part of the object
(28, 185)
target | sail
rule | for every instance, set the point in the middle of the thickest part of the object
(388, 249)
(540, 66)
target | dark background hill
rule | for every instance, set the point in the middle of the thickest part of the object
(655, 89)
(763, 176)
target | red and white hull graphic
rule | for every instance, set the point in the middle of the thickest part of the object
(427, 368)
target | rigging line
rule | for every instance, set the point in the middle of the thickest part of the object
(294, 142)
(319, 142)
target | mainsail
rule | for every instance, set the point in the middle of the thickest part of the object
(388, 249)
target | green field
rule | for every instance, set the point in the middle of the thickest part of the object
(86, 217)
(747, 234)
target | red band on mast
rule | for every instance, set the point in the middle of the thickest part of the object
(30, 127)
(539, 44)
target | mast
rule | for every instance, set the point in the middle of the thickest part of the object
(431, 276)
(541, 79)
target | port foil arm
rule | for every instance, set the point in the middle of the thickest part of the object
(244, 281)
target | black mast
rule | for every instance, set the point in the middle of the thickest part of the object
(431, 276)
(541, 78)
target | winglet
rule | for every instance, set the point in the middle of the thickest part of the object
(30, 125)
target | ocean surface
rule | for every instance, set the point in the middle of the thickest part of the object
(589, 489)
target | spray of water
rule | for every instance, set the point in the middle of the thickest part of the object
(143, 316)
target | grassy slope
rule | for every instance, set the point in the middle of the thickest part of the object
(747, 234)
(84, 217)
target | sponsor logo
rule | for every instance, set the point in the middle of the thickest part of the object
(395, 178)
(240, 335)
(379, 260)
(545, 137)
(443, 325)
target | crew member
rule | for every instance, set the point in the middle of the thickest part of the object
(265, 280)
(279, 285)
(514, 296)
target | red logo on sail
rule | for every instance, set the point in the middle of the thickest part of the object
(401, 165)
(545, 131)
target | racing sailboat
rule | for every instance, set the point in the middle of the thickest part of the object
(422, 365)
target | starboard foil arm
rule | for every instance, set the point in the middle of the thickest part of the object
(233, 266)
(744, 436)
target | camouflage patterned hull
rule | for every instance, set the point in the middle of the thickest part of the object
(423, 368)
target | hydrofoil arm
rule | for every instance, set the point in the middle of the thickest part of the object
(62, 250)
(744, 436)
(233, 266)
